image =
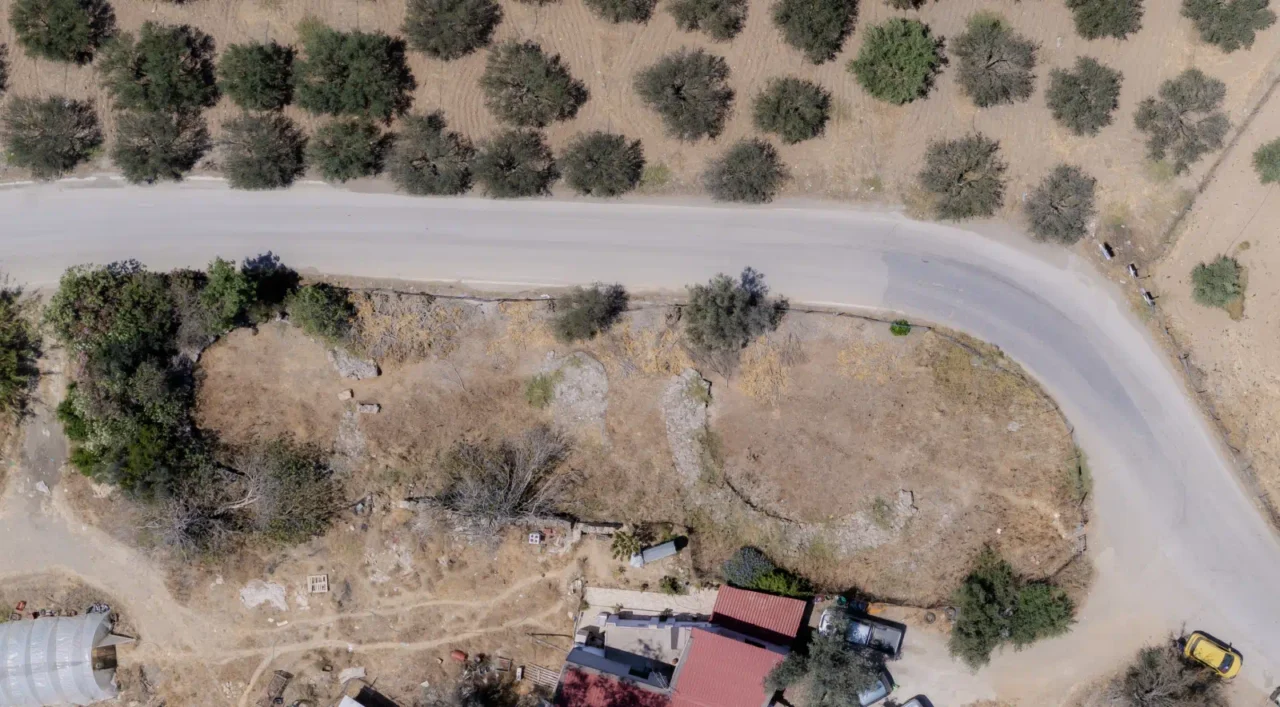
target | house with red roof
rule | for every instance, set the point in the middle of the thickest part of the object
(682, 661)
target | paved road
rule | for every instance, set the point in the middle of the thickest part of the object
(1175, 538)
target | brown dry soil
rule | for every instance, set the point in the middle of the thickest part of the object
(870, 150)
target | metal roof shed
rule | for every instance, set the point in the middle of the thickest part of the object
(57, 660)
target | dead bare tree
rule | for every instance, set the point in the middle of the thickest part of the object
(493, 486)
(1161, 677)
(193, 522)
(287, 492)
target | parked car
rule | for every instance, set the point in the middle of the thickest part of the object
(884, 685)
(1222, 658)
(867, 631)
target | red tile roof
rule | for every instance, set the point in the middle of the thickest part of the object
(580, 688)
(721, 672)
(764, 616)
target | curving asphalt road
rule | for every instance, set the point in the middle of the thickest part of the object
(1175, 538)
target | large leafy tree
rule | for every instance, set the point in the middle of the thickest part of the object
(690, 90)
(728, 313)
(965, 176)
(62, 30)
(152, 147)
(525, 86)
(516, 163)
(996, 63)
(427, 159)
(257, 75)
(1060, 208)
(1186, 121)
(1229, 24)
(792, 108)
(1106, 18)
(833, 670)
(817, 28)
(721, 20)
(898, 61)
(346, 149)
(602, 164)
(750, 171)
(262, 151)
(450, 29)
(1084, 98)
(166, 68)
(352, 73)
(623, 10)
(49, 136)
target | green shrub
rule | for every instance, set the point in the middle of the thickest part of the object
(119, 307)
(624, 545)
(1217, 284)
(965, 176)
(541, 389)
(152, 147)
(62, 30)
(783, 583)
(905, 4)
(352, 73)
(346, 149)
(450, 29)
(1266, 162)
(1186, 122)
(996, 63)
(690, 90)
(793, 109)
(1060, 208)
(4, 69)
(526, 87)
(721, 20)
(516, 163)
(602, 164)
(227, 295)
(898, 61)
(623, 10)
(425, 159)
(262, 152)
(167, 68)
(746, 566)
(1096, 19)
(994, 606)
(816, 27)
(1229, 24)
(19, 348)
(322, 311)
(750, 171)
(1083, 99)
(587, 312)
(257, 75)
(671, 585)
(900, 327)
(833, 670)
(49, 137)
(726, 314)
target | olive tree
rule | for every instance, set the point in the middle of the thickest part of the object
(898, 61)
(1186, 122)
(835, 671)
(1060, 208)
(346, 149)
(586, 312)
(516, 163)
(995, 63)
(623, 10)
(965, 176)
(166, 68)
(49, 136)
(602, 164)
(793, 109)
(721, 20)
(526, 87)
(690, 90)
(726, 314)
(1084, 98)
(1229, 24)
(1266, 162)
(352, 73)
(750, 171)
(262, 151)
(1096, 19)
(426, 159)
(152, 147)
(4, 68)
(450, 29)
(905, 4)
(62, 30)
(257, 75)
(817, 28)
(1217, 284)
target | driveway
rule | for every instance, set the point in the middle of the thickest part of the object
(1175, 537)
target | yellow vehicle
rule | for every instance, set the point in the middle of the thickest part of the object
(1203, 648)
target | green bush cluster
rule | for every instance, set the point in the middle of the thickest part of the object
(728, 313)
(353, 73)
(833, 671)
(346, 149)
(1218, 283)
(587, 312)
(152, 146)
(1266, 162)
(898, 61)
(1096, 19)
(19, 348)
(994, 606)
(995, 63)
(721, 20)
(516, 163)
(450, 29)
(1229, 24)
(322, 311)
(1060, 208)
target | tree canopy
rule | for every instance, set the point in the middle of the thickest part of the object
(750, 171)
(262, 151)
(450, 29)
(602, 164)
(167, 68)
(152, 147)
(526, 87)
(1266, 162)
(834, 670)
(1229, 24)
(623, 10)
(62, 30)
(690, 90)
(728, 313)
(792, 108)
(817, 28)
(352, 73)
(49, 136)
(427, 159)
(257, 75)
(898, 61)
(1084, 98)
(1186, 122)
(1096, 19)
(996, 63)
(586, 312)
(1217, 283)
(516, 163)
(721, 20)
(346, 149)
(1060, 208)
(965, 176)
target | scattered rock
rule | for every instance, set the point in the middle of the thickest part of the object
(581, 396)
(351, 367)
(368, 408)
(42, 487)
(356, 673)
(686, 419)
(257, 592)
(346, 394)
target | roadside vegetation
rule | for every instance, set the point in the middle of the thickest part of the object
(1161, 677)
(726, 314)
(19, 349)
(1060, 208)
(964, 177)
(427, 159)
(603, 164)
(49, 136)
(832, 670)
(587, 312)
(516, 163)
(154, 147)
(750, 172)
(262, 151)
